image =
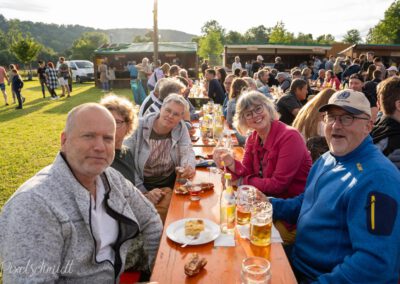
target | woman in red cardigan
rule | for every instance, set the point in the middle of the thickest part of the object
(276, 159)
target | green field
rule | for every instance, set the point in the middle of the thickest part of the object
(30, 138)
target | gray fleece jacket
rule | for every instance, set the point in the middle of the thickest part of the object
(139, 144)
(46, 234)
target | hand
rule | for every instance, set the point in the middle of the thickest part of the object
(188, 172)
(229, 161)
(155, 195)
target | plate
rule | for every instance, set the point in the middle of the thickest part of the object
(176, 232)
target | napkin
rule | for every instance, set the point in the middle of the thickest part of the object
(225, 240)
(244, 232)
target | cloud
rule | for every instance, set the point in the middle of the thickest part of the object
(22, 6)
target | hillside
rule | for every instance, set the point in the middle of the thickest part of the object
(60, 37)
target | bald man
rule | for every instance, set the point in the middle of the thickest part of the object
(75, 220)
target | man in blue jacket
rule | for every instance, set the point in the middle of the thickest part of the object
(347, 219)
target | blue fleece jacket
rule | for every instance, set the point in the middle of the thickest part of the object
(348, 223)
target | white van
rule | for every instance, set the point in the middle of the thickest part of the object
(82, 70)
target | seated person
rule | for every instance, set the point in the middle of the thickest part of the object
(215, 90)
(77, 216)
(160, 144)
(386, 131)
(276, 160)
(348, 216)
(123, 113)
(290, 104)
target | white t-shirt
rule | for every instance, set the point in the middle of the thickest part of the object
(237, 65)
(104, 227)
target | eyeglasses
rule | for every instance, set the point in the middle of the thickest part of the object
(250, 114)
(119, 123)
(345, 119)
(173, 113)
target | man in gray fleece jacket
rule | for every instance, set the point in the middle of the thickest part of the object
(75, 220)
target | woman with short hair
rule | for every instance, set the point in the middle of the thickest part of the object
(275, 161)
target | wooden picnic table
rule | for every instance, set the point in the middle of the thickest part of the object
(224, 263)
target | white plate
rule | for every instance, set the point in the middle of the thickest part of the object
(176, 232)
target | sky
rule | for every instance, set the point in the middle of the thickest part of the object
(309, 16)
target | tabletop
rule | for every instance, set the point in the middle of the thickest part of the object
(224, 263)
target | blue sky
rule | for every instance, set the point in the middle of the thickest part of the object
(310, 16)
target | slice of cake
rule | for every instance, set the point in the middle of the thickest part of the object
(194, 227)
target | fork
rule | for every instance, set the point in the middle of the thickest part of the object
(192, 238)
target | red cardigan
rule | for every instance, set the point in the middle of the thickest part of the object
(285, 162)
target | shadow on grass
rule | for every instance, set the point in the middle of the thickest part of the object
(64, 105)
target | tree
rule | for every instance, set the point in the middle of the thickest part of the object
(212, 25)
(280, 35)
(257, 34)
(325, 39)
(387, 31)
(233, 37)
(304, 38)
(26, 50)
(210, 46)
(84, 47)
(352, 37)
(148, 37)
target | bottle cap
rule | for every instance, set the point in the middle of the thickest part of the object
(227, 176)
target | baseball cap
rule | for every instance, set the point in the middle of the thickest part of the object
(392, 68)
(259, 57)
(351, 101)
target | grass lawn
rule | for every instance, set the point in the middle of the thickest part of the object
(30, 138)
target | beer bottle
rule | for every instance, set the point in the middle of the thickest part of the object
(227, 207)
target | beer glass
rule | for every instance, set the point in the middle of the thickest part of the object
(179, 179)
(256, 270)
(261, 224)
(244, 202)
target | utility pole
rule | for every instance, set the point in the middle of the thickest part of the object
(155, 32)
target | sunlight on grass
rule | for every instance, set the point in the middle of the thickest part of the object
(30, 138)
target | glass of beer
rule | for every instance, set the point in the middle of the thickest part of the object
(244, 201)
(261, 224)
(256, 270)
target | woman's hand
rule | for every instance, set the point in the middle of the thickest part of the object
(229, 160)
(155, 195)
(188, 172)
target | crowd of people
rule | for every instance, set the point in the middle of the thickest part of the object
(329, 161)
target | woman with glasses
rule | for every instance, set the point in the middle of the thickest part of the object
(276, 160)
(160, 144)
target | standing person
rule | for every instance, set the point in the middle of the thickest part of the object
(204, 67)
(257, 65)
(17, 85)
(51, 79)
(290, 104)
(42, 77)
(103, 69)
(111, 76)
(63, 75)
(77, 217)
(348, 216)
(279, 65)
(144, 72)
(227, 84)
(215, 91)
(236, 64)
(370, 61)
(3, 75)
(10, 76)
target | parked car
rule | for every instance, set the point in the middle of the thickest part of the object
(82, 70)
